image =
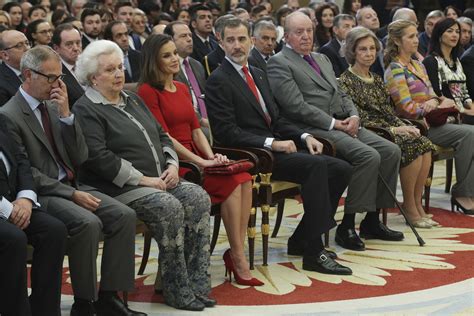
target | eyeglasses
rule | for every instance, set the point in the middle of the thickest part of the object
(51, 78)
(20, 45)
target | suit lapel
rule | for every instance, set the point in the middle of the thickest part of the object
(301, 64)
(33, 123)
(325, 72)
(242, 86)
(10, 76)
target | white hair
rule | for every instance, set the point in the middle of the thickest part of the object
(88, 61)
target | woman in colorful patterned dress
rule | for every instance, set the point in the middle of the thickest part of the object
(413, 96)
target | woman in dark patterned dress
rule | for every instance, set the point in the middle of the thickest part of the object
(369, 94)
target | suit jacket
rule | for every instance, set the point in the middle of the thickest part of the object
(256, 60)
(467, 61)
(306, 98)
(9, 83)
(135, 63)
(74, 89)
(331, 50)
(213, 60)
(198, 71)
(19, 177)
(27, 131)
(85, 42)
(236, 117)
(200, 49)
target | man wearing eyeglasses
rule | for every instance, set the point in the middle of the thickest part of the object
(40, 120)
(13, 45)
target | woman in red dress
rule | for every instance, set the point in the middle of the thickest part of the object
(171, 104)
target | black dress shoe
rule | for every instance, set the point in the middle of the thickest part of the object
(195, 306)
(323, 264)
(207, 301)
(297, 249)
(112, 305)
(347, 238)
(379, 231)
(83, 308)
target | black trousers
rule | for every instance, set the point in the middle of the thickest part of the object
(323, 179)
(48, 237)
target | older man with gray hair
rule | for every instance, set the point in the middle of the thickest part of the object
(41, 122)
(264, 43)
(425, 37)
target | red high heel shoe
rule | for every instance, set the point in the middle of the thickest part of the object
(229, 268)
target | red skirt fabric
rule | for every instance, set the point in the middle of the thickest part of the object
(220, 187)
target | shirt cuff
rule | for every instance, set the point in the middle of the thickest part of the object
(67, 120)
(333, 122)
(268, 143)
(135, 177)
(304, 135)
(30, 195)
(6, 208)
(173, 162)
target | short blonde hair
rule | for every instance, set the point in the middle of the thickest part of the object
(88, 62)
(352, 39)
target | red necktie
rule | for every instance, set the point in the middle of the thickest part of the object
(49, 134)
(253, 87)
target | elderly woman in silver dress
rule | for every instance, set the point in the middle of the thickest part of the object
(132, 159)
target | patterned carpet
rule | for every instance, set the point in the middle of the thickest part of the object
(390, 278)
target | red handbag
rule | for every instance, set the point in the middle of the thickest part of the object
(439, 117)
(232, 167)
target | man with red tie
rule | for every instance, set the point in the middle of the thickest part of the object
(242, 113)
(40, 120)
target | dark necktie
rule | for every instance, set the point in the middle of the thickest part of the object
(49, 134)
(195, 87)
(208, 45)
(253, 87)
(312, 63)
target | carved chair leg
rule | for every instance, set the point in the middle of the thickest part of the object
(265, 231)
(215, 232)
(449, 175)
(428, 188)
(251, 235)
(146, 252)
(280, 209)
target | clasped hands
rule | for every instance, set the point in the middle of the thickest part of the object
(169, 179)
(350, 126)
(21, 213)
(215, 160)
(288, 146)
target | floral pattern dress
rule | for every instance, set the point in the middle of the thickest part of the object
(375, 110)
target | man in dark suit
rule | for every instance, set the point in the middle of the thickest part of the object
(41, 121)
(92, 25)
(117, 32)
(367, 17)
(307, 91)
(243, 114)
(203, 40)
(343, 23)
(213, 60)
(467, 61)
(20, 224)
(67, 43)
(264, 41)
(13, 45)
(191, 72)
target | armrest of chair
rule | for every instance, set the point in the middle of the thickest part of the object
(194, 174)
(383, 132)
(265, 159)
(237, 154)
(420, 124)
(329, 147)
